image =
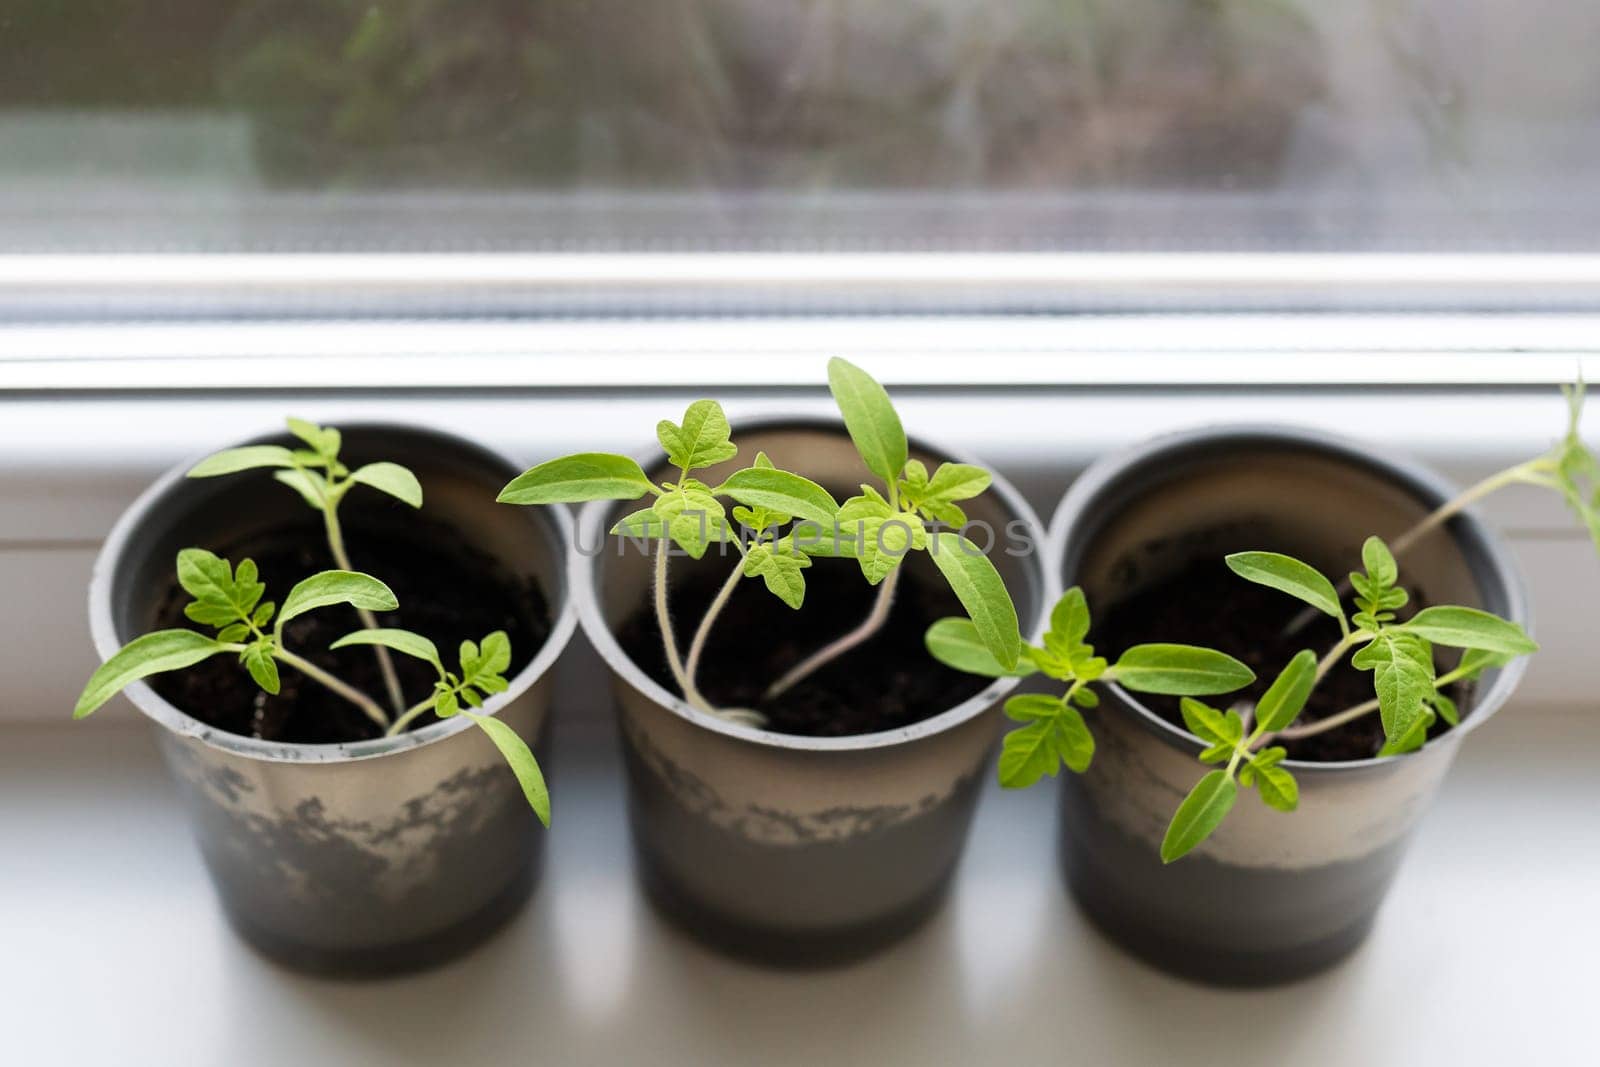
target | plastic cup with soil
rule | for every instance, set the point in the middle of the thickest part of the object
(1268, 896)
(338, 844)
(801, 773)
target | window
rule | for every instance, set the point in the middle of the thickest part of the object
(799, 126)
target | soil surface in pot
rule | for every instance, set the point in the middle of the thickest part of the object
(888, 682)
(447, 591)
(1207, 604)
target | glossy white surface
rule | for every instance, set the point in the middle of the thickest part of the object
(112, 949)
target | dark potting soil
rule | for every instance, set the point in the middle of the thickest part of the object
(1207, 604)
(889, 681)
(447, 592)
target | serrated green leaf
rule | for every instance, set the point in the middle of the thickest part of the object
(1461, 627)
(870, 418)
(955, 643)
(1201, 812)
(1180, 670)
(390, 478)
(263, 613)
(205, 575)
(780, 571)
(1402, 666)
(1222, 728)
(403, 641)
(982, 593)
(701, 441)
(880, 537)
(336, 587)
(1288, 575)
(1275, 785)
(1283, 701)
(693, 518)
(520, 758)
(1042, 746)
(780, 492)
(233, 460)
(577, 478)
(154, 653)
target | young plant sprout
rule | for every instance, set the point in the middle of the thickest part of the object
(1408, 689)
(785, 519)
(229, 600)
(322, 482)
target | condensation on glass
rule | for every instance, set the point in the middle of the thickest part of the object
(903, 125)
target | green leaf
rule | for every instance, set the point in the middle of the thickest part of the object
(250, 457)
(1042, 746)
(307, 484)
(1180, 670)
(955, 643)
(573, 479)
(936, 496)
(446, 705)
(1201, 812)
(1402, 666)
(155, 653)
(1069, 619)
(1288, 575)
(870, 418)
(336, 587)
(1474, 661)
(262, 667)
(324, 442)
(782, 492)
(1275, 785)
(1031, 707)
(221, 598)
(1461, 627)
(1379, 561)
(880, 537)
(390, 478)
(1287, 696)
(1415, 737)
(982, 593)
(523, 765)
(1445, 708)
(701, 441)
(402, 641)
(482, 666)
(1221, 728)
(693, 518)
(780, 571)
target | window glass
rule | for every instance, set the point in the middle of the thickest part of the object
(906, 125)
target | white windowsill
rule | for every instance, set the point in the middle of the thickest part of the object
(118, 953)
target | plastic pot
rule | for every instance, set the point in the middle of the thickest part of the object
(368, 857)
(784, 848)
(1270, 896)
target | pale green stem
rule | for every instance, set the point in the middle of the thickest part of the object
(669, 642)
(1328, 661)
(350, 693)
(411, 714)
(869, 626)
(1311, 729)
(697, 647)
(341, 559)
(1522, 472)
